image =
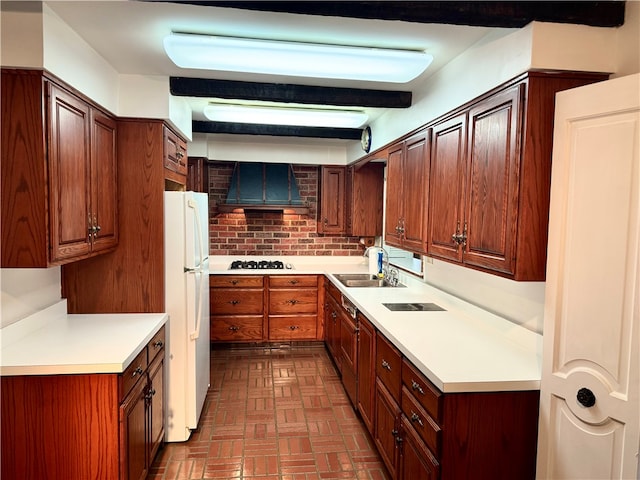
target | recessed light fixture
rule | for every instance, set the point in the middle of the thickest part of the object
(285, 116)
(295, 59)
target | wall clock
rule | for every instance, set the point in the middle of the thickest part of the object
(365, 139)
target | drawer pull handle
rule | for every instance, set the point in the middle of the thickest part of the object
(159, 344)
(415, 418)
(415, 386)
(334, 315)
(234, 328)
(293, 327)
(234, 282)
(293, 282)
(292, 302)
(234, 302)
(137, 371)
(386, 365)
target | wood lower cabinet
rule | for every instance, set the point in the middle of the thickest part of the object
(332, 316)
(293, 307)
(366, 374)
(100, 426)
(490, 177)
(386, 429)
(349, 354)
(59, 174)
(416, 461)
(237, 308)
(260, 308)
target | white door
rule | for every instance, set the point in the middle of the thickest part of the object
(589, 399)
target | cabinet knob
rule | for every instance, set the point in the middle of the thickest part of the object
(415, 386)
(415, 418)
(137, 371)
(586, 398)
(386, 365)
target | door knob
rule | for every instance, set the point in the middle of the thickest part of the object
(586, 398)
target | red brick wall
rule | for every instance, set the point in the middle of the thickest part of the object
(271, 233)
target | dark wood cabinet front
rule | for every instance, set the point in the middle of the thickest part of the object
(331, 216)
(408, 193)
(59, 190)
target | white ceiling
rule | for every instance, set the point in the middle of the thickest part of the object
(129, 34)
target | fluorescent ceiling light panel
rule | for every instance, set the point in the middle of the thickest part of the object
(285, 116)
(295, 59)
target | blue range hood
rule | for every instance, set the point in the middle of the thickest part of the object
(263, 186)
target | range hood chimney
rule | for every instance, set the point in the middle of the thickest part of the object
(263, 186)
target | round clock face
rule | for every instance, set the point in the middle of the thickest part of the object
(365, 140)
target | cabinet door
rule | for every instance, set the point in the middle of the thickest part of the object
(155, 399)
(415, 192)
(349, 352)
(133, 434)
(104, 199)
(446, 189)
(386, 428)
(365, 188)
(366, 371)
(491, 210)
(69, 175)
(394, 196)
(332, 200)
(416, 461)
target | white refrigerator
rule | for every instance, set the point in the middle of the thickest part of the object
(186, 246)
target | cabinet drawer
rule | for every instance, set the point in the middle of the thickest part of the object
(291, 281)
(292, 327)
(421, 421)
(235, 301)
(427, 395)
(156, 345)
(334, 292)
(236, 328)
(239, 281)
(133, 373)
(293, 300)
(388, 366)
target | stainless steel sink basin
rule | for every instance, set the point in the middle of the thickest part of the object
(364, 280)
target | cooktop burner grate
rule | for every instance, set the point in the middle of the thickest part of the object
(258, 265)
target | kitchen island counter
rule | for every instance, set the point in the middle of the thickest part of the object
(461, 349)
(51, 342)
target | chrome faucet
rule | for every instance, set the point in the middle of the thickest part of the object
(387, 270)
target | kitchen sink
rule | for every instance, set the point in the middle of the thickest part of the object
(365, 280)
(414, 307)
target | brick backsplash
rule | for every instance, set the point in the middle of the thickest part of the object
(271, 233)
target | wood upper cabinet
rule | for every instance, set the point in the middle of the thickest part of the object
(490, 177)
(175, 157)
(365, 187)
(474, 192)
(59, 173)
(331, 216)
(197, 174)
(408, 193)
(351, 200)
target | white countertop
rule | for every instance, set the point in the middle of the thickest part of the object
(53, 342)
(462, 349)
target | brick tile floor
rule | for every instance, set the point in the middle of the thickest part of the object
(273, 414)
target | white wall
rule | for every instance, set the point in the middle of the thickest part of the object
(26, 291)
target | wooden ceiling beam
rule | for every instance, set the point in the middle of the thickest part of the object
(288, 93)
(275, 130)
(506, 14)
